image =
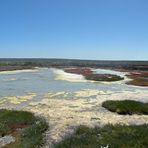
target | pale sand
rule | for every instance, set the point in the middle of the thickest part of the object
(2, 101)
(19, 71)
(90, 93)
(62, 75)
(11, 79)
(64, 115)
(19, 99)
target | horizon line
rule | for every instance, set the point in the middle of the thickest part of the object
(35, 58)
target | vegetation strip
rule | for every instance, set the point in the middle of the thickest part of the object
(112, 136)
(90, 75)
(138, 82)
(126, 107)
(139, 79)
(24, 126)
(104, 77)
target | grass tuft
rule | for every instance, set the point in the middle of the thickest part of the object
(126, 107)
(113, 136)
(31, 128)
(104, 77)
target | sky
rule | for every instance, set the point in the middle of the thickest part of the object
(75, 29)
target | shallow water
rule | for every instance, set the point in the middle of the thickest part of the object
(67, 100)
(43, 80)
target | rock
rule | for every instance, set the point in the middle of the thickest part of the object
(6, 140)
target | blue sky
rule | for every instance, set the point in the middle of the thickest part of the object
(81, 29)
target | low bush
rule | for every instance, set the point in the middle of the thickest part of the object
(104, 77)
(126, 107)
(31, 128)
(112, 136)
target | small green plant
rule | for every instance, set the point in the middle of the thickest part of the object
(32, 128)
(104, 77)
(112, 136)
(126, 107)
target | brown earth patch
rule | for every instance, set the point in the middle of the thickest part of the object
(80, 71)
(139, 78)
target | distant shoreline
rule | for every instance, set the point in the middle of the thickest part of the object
(19, 64)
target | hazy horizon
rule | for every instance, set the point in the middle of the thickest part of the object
(73, 59)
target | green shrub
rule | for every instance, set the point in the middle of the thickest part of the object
(104, 77)
(31, 134)
(126, 107)
(113, 136)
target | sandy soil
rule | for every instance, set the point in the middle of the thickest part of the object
(17, 99)
(18, 71)
(63, 115)
(61, 75)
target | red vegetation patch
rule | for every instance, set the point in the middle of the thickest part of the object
(90, 75)
(139, 78)
(14, 127)
(138, 75)
(80, 71)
